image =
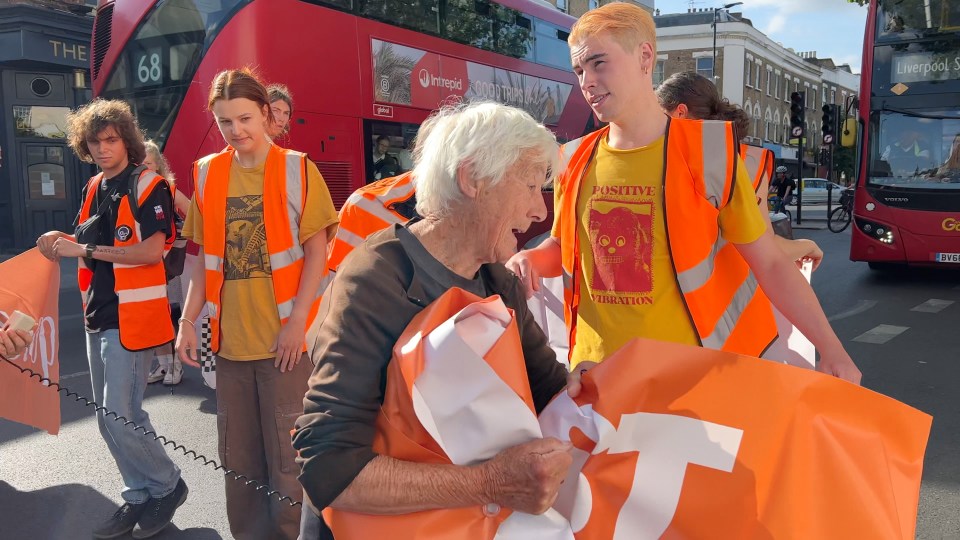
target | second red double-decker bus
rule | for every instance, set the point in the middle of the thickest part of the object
(907, 203)
(360, 70)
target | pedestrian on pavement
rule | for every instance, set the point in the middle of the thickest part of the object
(688, 94)
(656, 230)
(261, 215)
(169, 368)
(281, 105)
(122, 227)
(478, 175)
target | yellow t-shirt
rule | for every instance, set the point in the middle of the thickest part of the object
(628, 286)
(249, 322)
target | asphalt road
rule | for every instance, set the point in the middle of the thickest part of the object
(901, 329)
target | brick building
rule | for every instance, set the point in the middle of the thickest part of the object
(754, 72)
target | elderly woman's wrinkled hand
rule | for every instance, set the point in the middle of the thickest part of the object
(527, 477)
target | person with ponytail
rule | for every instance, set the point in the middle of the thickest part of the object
(690, 95)
(262, 216)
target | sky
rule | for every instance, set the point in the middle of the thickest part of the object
(832, 28)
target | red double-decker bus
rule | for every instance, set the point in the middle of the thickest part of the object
(358, 69)
(907, 200)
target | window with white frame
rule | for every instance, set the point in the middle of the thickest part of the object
(786, 88)
(747, 109)
(705, 67)
(758, 77)
(833, 95)
(767, 124)
(658, 73)
(746, 73)
(823, 95)
(756, 120)
(769, 81)
(776, 91)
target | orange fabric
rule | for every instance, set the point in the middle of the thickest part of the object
(819, 457)
(692, 229)
(400, 435)
(759, 163)
(31, 284)
(367, 211)
(212, 174)
(141, 288)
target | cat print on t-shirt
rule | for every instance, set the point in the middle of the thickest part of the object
(621, 239)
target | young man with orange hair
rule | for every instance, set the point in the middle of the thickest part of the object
(657, 233)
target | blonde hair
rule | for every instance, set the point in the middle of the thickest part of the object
(628, 24)
(163, 167)
(488, 137)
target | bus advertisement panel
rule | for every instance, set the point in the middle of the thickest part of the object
(358, 71)
(908, 185)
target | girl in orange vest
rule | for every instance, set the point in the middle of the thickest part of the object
(690, 95)
(261, 215)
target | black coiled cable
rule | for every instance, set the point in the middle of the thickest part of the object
(257, 486)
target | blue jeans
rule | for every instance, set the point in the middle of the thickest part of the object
(119, 377)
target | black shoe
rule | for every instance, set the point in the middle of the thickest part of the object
(159, 512)
(122, 521)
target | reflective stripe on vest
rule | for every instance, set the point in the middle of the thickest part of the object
(141, 288)
(284, 194)
(366, 211)
(759, 163)
(726, 307)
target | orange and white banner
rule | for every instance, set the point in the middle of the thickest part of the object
(31, 283)
(670, 441)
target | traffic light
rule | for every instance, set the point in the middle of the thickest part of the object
(796, 114)
(828, 123)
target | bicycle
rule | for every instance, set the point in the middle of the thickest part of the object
(773, 203)
(840, 217)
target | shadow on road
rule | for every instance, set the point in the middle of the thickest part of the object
(67, 511)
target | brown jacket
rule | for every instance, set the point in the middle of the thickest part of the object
(374, 297)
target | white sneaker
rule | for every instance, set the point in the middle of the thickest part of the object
(157, 374)
(174, 376)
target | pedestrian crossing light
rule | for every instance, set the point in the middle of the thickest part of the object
(796, 114)
(828, 123)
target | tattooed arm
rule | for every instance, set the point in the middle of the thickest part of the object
(147, 252)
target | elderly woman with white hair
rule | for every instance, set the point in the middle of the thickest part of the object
(478, 171)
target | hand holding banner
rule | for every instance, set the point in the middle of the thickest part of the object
(31, 284)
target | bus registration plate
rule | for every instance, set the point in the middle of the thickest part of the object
(948, 257)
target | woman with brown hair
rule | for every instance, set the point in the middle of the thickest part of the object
(261, 215)
(690, 95)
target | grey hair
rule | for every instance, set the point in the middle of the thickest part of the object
(488, 137)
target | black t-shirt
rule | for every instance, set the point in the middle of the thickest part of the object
(153, 216)
(437, 279)
(782, 186)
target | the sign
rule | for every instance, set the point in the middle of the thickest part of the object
(148, 67)
(408, 76)
(827, 139)
(796, 131)
(31, 284)
(925, 67)
(39, 47)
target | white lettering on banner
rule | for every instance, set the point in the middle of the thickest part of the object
(665, 445)
(43, 347)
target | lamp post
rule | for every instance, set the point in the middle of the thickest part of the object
(716, 19)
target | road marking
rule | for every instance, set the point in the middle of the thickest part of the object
(881, 334)
(861, 306)
(75, 375)
(932, 305)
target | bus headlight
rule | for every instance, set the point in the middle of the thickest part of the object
(880, 233)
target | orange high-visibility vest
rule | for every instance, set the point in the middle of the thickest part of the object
(368, 210)
(284, 197)
(141, 288)
(759, 163)
(720, 294)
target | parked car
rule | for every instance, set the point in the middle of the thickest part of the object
(815, 191)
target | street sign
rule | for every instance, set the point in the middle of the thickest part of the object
(797, 131)
(827, 139)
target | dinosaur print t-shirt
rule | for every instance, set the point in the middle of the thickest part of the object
(628, 284)
(250, 324)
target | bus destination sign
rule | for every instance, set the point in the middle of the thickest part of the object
(925, 67)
